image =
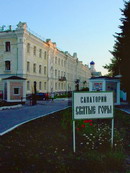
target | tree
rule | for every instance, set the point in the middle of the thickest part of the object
(120, 63)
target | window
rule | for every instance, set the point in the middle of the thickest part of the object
(59, 73)
(55, 86)
(40, 85)
(59, 61)
(28, 85)
(40, 69)
(45, 55)
(16, 91)
(34, 68)
(28, 48)
(55, 73)
(59, 86)
(34, 50)
(45, 86)
(55, 60)
(40, 53)
(7, 46)
(62, 86)
(62, 62)
(7, 65)
(45, 70)
(28, 66)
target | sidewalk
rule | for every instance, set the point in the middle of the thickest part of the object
(12, 118)
(125, 107)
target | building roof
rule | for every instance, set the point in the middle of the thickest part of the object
(104, 77)
(92, 63)
(14, 78)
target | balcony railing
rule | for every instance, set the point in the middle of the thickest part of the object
(62, 78)
(77, 81)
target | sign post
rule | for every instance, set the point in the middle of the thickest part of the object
(73, 136)
(92, 105)
(112, 132)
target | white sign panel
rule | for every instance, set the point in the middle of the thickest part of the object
(92, 105)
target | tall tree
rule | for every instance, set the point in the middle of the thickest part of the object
(120, 63)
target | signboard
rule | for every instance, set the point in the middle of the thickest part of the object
(92, 105)
(97, 86)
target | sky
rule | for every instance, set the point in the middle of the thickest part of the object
(82, 26)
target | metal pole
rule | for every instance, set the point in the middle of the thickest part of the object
(112, 132)
(74, 136)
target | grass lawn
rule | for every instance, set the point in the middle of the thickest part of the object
(45, 146)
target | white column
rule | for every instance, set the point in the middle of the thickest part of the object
(24, 90)
(8, 90)
(90, 85)
(104, 85)
(21, 55)
(118, 93)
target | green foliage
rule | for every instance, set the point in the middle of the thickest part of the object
(120, 62)
(63, 95)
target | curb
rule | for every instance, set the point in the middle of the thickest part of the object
(10, 107)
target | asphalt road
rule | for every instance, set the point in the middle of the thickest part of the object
(10, 119)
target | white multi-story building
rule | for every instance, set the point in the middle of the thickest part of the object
(26, 55)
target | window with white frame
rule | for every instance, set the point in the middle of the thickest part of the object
(55, 72)
(40, 53)
(40, 69)
(56, 60)
(34, 68)
(45, 86)
(7, 46)
(34, 50)
(28, 66)
(28, 47)
(40, 85)
(59, 73)
(16, 91)
(62, 86)
(55, 86)
(59, 61)
(62, 62)
(28, 85)
(7, 65)
(45, 70)
(45, 55)
(59, 86)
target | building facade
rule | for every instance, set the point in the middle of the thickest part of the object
(25, 55)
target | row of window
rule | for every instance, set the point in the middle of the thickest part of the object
(43, 86)
(57, 60)
(36, 51)
(8, 49)
(60, 62)
(59, 73)
(35, 68)
(40, 85)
